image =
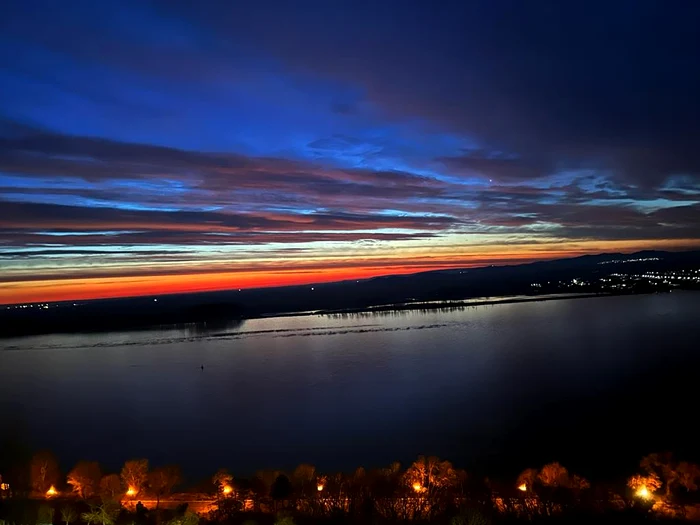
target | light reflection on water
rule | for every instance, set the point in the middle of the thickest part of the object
(511, 383)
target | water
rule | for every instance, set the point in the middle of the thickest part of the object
(594, 382)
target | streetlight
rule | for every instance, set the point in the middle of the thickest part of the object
(643, 492)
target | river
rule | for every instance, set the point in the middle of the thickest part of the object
(595, 383)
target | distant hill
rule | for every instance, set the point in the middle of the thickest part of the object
(543, 277)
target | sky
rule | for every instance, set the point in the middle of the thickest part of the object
(152, 147)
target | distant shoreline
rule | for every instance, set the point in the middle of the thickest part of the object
(438, 305)
(589, 276)
(444, 305)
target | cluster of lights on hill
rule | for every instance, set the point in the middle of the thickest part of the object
(623, 261)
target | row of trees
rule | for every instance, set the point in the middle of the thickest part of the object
(87, 481)
(434, 482)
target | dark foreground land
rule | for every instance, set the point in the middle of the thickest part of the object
(606, 274)
(429, 490)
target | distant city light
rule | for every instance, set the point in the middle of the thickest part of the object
(523, 487)
(319, 487)
(51, 492)
(417, 487)
(131, 491)
(227, 489)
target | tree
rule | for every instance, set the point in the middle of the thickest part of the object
(284, 520)
(526, 479)
(162, 480)
(303, 476)
(45, 515)
(134, 475)
(434, 480)
(91, 516)
(554, 475)
(110, 487)
(68, 514)
(43, 471)
(577, 482)
(651, 483)
(687, 475)
(221, 480)
(428, 474)
(188, 518)
(673, 474)
(105, 514)
(281, 488)
(85, 478)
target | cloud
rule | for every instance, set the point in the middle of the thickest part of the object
(503, 169)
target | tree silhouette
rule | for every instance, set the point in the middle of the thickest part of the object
(92, 516)
(45, 515)
(527, 478)
(188, 518)
(110, 487)
(281, 488)
(43, 471)
(162, 480)
(85, 478)
(428, 474)
(222, 479)
(651, 483)
(673, 474)
(554, 475)
(303, 477)
(68, 514)
(134, 475)
(105, 514)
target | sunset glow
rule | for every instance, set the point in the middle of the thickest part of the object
(143, 281)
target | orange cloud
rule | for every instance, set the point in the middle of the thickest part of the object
(297, 273)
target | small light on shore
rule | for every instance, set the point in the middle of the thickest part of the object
(522, 487)
(643, 492)
(51, 492)
(131, 491)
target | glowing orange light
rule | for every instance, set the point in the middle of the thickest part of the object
(51, 492)
(417, 487)
(319, 487)
(131, 491)
(227, 489)
(643, 492)
(523, 487)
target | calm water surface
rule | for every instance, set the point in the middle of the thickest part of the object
(594, 382)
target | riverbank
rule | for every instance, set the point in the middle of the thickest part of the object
(450, 305)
